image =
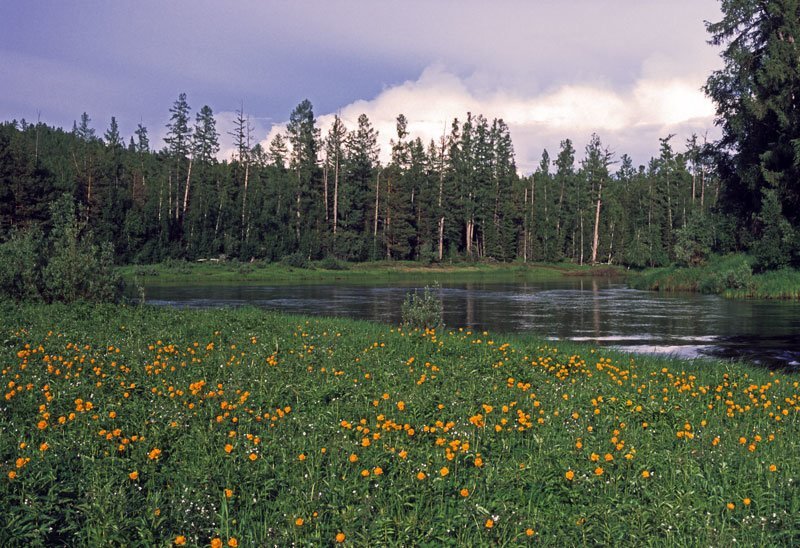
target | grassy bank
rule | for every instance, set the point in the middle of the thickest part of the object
(148, 426)
(730, 276)
(326, 271)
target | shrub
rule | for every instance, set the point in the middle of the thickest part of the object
(65, 266)
(331, 263)
(295, 260)
(423, 311)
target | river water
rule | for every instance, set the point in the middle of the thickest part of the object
(598, 310)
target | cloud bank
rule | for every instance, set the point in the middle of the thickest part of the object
(628, 120)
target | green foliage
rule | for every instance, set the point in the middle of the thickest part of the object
(694, 241)
(331, 263)
(64, 266)
(20, 265)
(296, 260)
(423, 311)
(778, 242)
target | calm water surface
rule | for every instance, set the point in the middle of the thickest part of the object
(601, 311)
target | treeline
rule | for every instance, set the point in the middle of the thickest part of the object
(316, 196)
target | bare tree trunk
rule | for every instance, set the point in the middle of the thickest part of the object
(325, 189)
(335, 192)
(441, 192)
(375, 222)
(596, 237)
(219, 209)
(525, 230)
(441, 238)
(581, 261)
(702, 186)
(186, 190)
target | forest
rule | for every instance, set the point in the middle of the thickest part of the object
(460, 198)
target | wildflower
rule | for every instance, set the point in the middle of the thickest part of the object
(773, 468)
(301, 457)
(529, 532)
(353, 457)
(180, 540)
(645, 474)
(12, 474)
(570, 475)
(252, 456)
(598, 471)
(134, 475)
(377, 471)
(44, 447)
(340, 537)
(489, 523)
(299, 522)
(228, 493)
(746, 502)
(365, 473)
(232, 542)
(730, 506)
(464, 492)
(41, 425)
(421, 476)
(228, 447)
(216, 542)
(154, 454)
(444, 471)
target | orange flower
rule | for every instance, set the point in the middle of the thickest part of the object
(529, 532)
(444, 471)
(301, 457)
(232, 542)
(773, 468)
(489, 523)
(570, 475)
(353, 457)
(134, 475)
(365, 473)
(216, 542)
(44, 447)
(154, 454)
(421, 476)
(730, 506)
(299, 522)
(252, 456)
(340, 537)
(41, 425)
(598, 471)
(228, 493)
(464, 492)
(377, 471)
(12, 474)
(180, 540)
(228, 447)
(645, 474)
(747, 502)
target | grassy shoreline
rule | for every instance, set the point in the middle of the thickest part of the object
(259, 272)
(730, 276)
(139, 426)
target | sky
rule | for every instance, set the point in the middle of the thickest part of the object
(629, 70)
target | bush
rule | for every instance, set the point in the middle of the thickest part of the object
(423, 311)
(331, 263)
(64, 266)
(295, 260)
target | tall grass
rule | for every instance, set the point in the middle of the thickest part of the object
(730, 276)
(148, 427)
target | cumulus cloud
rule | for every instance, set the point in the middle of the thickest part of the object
(628, 120)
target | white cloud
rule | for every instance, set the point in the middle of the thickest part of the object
(627, 120)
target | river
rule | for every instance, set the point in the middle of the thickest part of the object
(598, 310)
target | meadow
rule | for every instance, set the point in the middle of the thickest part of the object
(142, 426)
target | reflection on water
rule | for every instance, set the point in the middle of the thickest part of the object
(581, 309)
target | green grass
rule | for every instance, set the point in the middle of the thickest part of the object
(730, 276)
(370, 272)
(516, 422)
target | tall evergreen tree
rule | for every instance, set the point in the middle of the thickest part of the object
(757, 94)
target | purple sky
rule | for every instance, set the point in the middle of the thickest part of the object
(628, 69)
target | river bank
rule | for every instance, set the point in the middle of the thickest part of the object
(730, 276)
(140, 425)
(322, 271)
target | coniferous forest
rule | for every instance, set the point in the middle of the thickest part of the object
(329, 196)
